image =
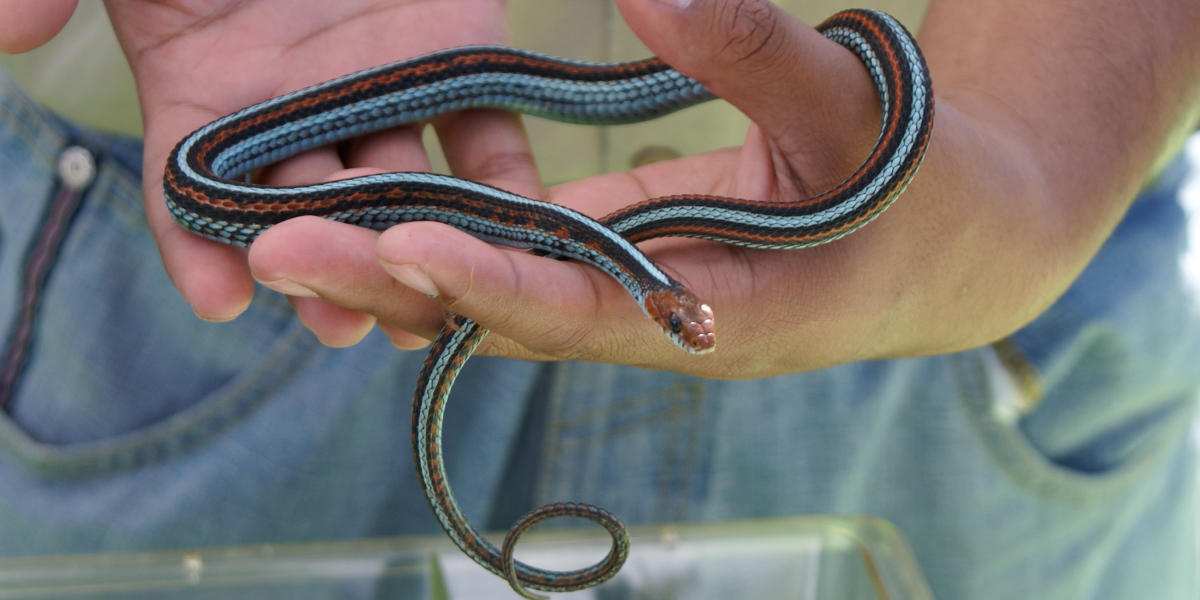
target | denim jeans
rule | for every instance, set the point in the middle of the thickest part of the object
(1055, 464)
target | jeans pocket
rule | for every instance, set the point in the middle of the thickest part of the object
(996, 385)
(106, 366)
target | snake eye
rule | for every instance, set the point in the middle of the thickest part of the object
(676, 325)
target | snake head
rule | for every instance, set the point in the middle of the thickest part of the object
(686, 320)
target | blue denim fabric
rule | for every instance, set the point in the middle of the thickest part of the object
(137, 426)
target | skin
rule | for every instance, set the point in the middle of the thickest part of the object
(30, 24)
(234, 57)
(1049, 118)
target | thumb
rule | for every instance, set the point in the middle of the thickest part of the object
(541, 308)
(808, 94)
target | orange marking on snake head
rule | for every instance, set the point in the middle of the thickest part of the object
(684, 318)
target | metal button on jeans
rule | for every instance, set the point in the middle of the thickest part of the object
(76, 167)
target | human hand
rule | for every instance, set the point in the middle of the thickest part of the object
(194, 62)
(993, 228)
(870, 107)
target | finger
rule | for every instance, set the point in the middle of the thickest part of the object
(28, 24)
(707, 173)
(333, 325)
(809, 95)
(402, 338)
(547, 308)
(332, 266)
(396, 149)
(490, 146)
(211, 277)
(286, 262)
(305, 168)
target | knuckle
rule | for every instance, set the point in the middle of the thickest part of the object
(574, 339)
(592, 335)
(503, 166)
(749, 29)
(568, 341)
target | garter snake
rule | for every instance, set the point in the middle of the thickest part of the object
(207, 193)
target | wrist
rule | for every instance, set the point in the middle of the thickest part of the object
(983, 242)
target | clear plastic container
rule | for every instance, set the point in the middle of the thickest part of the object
(804, 558)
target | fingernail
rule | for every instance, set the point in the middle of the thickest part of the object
(213, 318)
(413, 277)
(289, 287)
(675, 3)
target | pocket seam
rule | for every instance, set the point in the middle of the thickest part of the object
(1029, 469)
(169, 437)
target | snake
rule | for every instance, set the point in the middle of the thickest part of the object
(209, 190)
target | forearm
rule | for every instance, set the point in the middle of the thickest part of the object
(1092, 93)
(1100, 86)
(1067, 108)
